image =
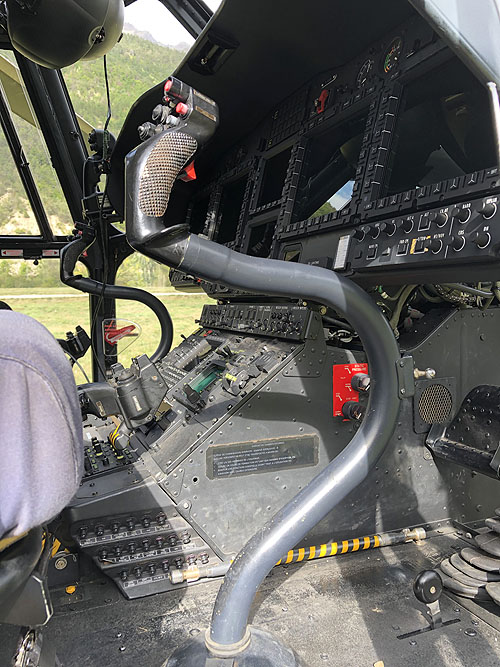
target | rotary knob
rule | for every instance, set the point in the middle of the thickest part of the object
(435, 246)
(439, 218)
(482, 239)
(359, 234)
(462, 214)
(374, 231)
(488, 210)
(458, 243)
(406, 225)
(388, 228)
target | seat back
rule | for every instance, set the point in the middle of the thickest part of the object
(41, 454)
(41, 442)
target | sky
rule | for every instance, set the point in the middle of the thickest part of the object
(152, 16)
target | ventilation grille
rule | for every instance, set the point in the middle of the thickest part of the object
(435, 404)
(166, 160)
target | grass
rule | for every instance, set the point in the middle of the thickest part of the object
(20, 291)
(62, 315)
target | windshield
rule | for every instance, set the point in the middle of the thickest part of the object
(152, 46)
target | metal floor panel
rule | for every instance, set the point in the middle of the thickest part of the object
(344, 611)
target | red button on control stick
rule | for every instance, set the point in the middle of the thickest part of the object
(182, 109)
(168, 85)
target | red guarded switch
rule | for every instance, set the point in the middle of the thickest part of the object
(342, 389)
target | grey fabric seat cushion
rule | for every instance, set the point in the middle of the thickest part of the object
(41, 443)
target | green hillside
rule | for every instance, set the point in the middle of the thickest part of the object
(134, 66)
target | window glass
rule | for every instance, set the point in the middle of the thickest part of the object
(36, 155)
(184, 308)
(140, 60)
(16, 215)
(35, 290)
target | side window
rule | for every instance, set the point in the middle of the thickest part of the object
(184, 308)
(16, 216)
(35, 290)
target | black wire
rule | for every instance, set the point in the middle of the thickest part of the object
(103, 232)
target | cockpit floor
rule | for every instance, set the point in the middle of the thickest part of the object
(345, 611)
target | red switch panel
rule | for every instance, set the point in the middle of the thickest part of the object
(342, 390)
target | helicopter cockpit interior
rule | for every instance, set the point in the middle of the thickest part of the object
(311, 476)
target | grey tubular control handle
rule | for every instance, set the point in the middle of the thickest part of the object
(178, 249)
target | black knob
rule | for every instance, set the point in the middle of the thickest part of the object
(435, 245)
(428, 586)
(161, 519)
(462, 214)
(439, 218)
(130, 524)
(115, 527)
(360, 382)
(165, 566)
(145, 545)
(160, 113)
(353, 411)
(99, 530)
(458, 243)
(388, 227)
(374, 232)
(482, 239)
(146, 130)
(124, 575)
(137, 572)
(146, 522)
(83, 532)
(132, 548)
(407, 225)
(488, 210)
(359, 234)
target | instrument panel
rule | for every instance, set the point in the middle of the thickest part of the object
(334, 174)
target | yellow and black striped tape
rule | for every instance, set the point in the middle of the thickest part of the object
(112, 436)
(331, 549)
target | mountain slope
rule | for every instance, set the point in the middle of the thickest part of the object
(134, 66)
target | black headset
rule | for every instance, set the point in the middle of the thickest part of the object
(58, 33)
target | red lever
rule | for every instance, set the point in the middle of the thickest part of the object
(112, 335)
(168, 85)
(189, 173)
(320, 102)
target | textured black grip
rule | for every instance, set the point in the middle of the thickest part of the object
(171, 153)
(428, 586)
(69, 257)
